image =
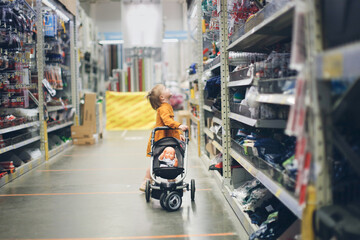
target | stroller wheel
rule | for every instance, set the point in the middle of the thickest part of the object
(173, 201)
(162, 200)
(192, 189)
(147, 191)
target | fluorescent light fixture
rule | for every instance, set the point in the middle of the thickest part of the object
(49, 4)
(170, 40)
(58, 11)
(62, 15)
(194, 11)
(113, 42)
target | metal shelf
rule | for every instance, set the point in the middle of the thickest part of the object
(60, 148)
(239, 83)
(218, 146)
(258, 122)
(339, 63)
(21, 170)
(194, 119)
(217, 120)
(19, 127)
(57, 108)
(20, 144)
(209, 133)
(194, 101)
(235, 205)
(207, 108)
(283, 195)
(271, 30)
(57, 127)
(276, 99)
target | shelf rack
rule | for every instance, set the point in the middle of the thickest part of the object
(271, 30)
(40, 65)
(281, 99)
(58, 108)
(207, 108)
(19, 145)
(209, 133)
(60, 148)
(21, 170)
(60, 126)
(239, 83)
(260, 123)
(19, 127)
(283, 195)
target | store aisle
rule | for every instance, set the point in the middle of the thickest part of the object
(91, 192)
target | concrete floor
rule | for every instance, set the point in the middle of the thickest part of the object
(91, 192)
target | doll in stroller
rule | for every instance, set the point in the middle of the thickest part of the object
(168, 171)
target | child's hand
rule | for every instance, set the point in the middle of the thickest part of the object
(183, 127)
(182, 138)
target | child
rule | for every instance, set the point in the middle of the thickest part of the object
(159, 98)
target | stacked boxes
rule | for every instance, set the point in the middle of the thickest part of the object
(86, 134)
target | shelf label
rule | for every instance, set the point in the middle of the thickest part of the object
(30, 166)
(278, 192)
(333, 66)
(6, 178)
(21, 171)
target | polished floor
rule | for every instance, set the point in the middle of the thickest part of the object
(91, 192)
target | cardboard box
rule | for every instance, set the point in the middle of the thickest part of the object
(90, 111)
(81, 132)
(209, 122)
(84, 141)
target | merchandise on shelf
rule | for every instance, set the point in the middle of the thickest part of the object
(263, 209)
(269, 151)
(239, 12)
(16, 50)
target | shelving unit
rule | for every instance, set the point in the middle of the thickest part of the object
(21, 170)
(19, 145)
(49, 46)
(19, 127)
(272, 24)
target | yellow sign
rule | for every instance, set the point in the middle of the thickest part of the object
(129, 111)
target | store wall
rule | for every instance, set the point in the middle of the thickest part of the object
(106, 15)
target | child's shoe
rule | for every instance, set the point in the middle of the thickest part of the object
(143, 185)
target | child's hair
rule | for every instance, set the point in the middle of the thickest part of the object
(154, 96)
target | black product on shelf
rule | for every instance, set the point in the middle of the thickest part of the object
(339, 19)
(24, 156)
(11, 156)
(338, 222)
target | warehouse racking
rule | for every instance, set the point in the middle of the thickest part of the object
(47, 55)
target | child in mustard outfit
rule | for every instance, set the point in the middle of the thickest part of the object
(159, 98)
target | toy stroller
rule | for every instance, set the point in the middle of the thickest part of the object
(168, 161)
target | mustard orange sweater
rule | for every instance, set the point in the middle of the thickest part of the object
(164, 117)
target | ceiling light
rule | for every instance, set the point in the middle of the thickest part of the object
(113, 42)
(170, 40)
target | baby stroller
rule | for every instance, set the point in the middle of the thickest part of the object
(169, 193)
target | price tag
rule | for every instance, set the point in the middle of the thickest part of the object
(30, 166)
(21, 171)
(333, 66)
(6, 178)
(278, 192)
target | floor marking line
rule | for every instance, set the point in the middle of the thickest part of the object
(93, 169)
(142, 237)
(89, 193)
(88, 170)
(123, 134)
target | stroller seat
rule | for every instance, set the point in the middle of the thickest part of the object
(168, 172)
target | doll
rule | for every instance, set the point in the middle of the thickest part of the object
(168, 158)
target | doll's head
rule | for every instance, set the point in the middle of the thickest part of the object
(169, 153)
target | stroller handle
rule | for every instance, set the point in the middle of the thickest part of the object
(168, 128)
